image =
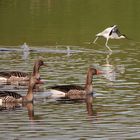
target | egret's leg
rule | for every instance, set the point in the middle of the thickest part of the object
(95, 39)
(108, 48)
(106, 42)
(107, 45)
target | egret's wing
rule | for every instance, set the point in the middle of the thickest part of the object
(106, 31)
(115, 32)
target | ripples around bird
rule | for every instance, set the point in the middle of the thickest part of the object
(114, 112)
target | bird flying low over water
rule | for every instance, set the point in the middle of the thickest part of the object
(110, 33)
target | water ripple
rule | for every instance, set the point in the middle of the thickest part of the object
(115, 105)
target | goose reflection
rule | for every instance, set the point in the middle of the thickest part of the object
(30, 108)
(7, 106)
(89, 105)
(88, 101)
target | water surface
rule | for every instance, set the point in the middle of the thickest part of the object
(60, 33)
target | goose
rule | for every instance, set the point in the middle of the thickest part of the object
(12, 76)
(75, 92)
(110, 33)
(14, 97)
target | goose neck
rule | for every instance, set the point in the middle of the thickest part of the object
(88, 85)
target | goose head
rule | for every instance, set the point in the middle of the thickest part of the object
(94, 71)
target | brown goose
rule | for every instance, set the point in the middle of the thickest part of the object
(74, 91)
(11, 76)
(9, 96)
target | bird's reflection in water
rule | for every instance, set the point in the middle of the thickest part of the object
(7, 106)
(15, 106)
(108, 69)
(89, 105)
(111, 72)
(107, 59)
(30, 109)
(25, 55)
(88, 101)
(25, 52)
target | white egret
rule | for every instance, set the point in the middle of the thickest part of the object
(110, 33)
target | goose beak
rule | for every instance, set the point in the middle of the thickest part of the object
(39, 82)
(99, 72)
(44, 64)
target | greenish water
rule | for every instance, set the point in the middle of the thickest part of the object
(40, 22)
(49, 27)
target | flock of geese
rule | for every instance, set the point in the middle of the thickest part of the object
(72, 92)
(58, 91)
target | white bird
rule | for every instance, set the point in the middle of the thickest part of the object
(110, 33)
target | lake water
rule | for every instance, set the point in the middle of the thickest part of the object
(51, 27)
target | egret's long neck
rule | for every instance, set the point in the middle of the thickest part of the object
(88, 86)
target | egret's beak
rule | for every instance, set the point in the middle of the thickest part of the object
(126, 37)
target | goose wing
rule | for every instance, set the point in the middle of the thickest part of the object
(13, 73)
(75, 94)
(18, 74)
(4, 74)
(67, 88)
(9, 93)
